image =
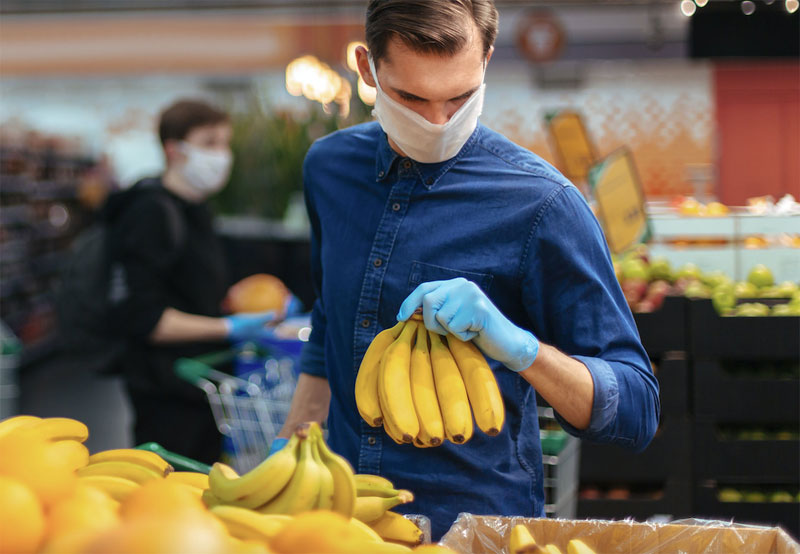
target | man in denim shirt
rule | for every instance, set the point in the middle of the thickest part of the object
(427, 208)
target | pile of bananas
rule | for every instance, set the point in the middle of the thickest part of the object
(304, 475)
(420, 386)
(376, 496)
(521, 541)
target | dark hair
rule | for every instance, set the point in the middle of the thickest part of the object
(430, 26)
(178, 120)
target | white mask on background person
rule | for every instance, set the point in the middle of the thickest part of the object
(205, 171)
(417, 137)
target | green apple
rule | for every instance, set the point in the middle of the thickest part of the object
(752, 309)
(768, 292)
(689, 271)
(696, 289)
(754, 496)
(635, 269)
(715, 279)
(761, 276)
(729, 495)
(660, 268)
(787, 289)
(781, 496)
(723, 300)
(781, 310)
(745, 289)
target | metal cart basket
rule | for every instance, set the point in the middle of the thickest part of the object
(249, 409)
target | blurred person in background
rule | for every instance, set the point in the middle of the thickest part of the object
(427, 208)
(169, 280)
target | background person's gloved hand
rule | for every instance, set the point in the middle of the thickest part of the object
(276, 445)
(247, 326)
(460, 307)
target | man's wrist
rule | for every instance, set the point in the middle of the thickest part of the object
(529, 350)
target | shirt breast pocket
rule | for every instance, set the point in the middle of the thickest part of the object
(423, 273)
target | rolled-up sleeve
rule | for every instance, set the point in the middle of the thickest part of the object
(575, 304)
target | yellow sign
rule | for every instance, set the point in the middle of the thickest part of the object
(571, 141)
(620, 201)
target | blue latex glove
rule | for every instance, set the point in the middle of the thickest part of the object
(460, 307)
(247, 326)
(276, 445)
(293, 306)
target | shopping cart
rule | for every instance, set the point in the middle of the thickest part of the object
(249, 408)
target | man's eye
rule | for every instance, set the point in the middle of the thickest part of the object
(409, 98)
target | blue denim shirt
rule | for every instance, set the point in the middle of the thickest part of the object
(497, 215)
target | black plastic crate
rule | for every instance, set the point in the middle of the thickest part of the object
(665, 329)
(668, 456)
(745, 396)
(744, 338)
(674, 500)
(780, 514)
(674, 383)
(718, 455)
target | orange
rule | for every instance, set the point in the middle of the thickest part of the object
(160, 499)
(317, 532)
(87, 510)
(188, 532)
(257, 293)
(31, 459)
(21, 517)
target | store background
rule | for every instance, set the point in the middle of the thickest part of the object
(82, 84)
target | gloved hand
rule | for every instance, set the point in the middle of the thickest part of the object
(460, 307)
(247, 326)
(276, 445)
(293, 306)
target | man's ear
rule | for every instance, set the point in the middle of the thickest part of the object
(172, 152)
(489, 54)
(362, 61)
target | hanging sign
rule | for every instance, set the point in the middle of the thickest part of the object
(620, 201)
(540, 37)
(575, 151)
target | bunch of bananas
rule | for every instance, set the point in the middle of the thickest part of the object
(376, 496)
(420, 386)
(521, 541)
(304, 475)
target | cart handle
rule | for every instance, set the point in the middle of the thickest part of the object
(194, 369)
(186, 464)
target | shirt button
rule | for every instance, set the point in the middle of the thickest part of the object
(365, 323)
(381, 174)
(429, 180)
(407, 164)
(372, 441)
(378, 262)
(396, 207)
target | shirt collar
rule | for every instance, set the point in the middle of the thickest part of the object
(429, 174)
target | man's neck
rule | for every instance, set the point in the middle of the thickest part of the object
(176, 184)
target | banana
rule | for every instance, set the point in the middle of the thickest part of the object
(370, 508)
(392, 526)
(551, 549)
(374, 485)
(392, 431)
(367, 378)
(451, 392)
(385, 548)
(117, 488)
(61, 428)
(423, 391)
(521, 541)
(145, 458)
(484, 394)
(302, 491)
(210, 499)
(76, 454)
(126, 470)
(326, 483)
(367, 532)
(344, 483)
(259, 485)
(16, 422)
(394, 386)
(577, 546)
(246, 524)
(193, 478)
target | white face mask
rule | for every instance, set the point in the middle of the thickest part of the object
(417, 137)
(205, 171)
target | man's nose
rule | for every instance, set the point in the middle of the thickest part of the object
(438, 114)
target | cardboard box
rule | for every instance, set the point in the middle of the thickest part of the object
(471, 534)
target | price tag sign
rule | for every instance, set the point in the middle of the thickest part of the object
(620, 201)
(576, 153)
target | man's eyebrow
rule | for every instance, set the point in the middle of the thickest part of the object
(408, 96)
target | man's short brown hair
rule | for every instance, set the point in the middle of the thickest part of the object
(178, 120)
(430, 26)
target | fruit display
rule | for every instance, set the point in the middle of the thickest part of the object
(757, 495)
(57, 498)
(424, 388)
(521, 541)
(690, 206)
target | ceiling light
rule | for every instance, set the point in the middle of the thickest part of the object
(792, 5)
(688, 8)
(748, 7)
(701, 3)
